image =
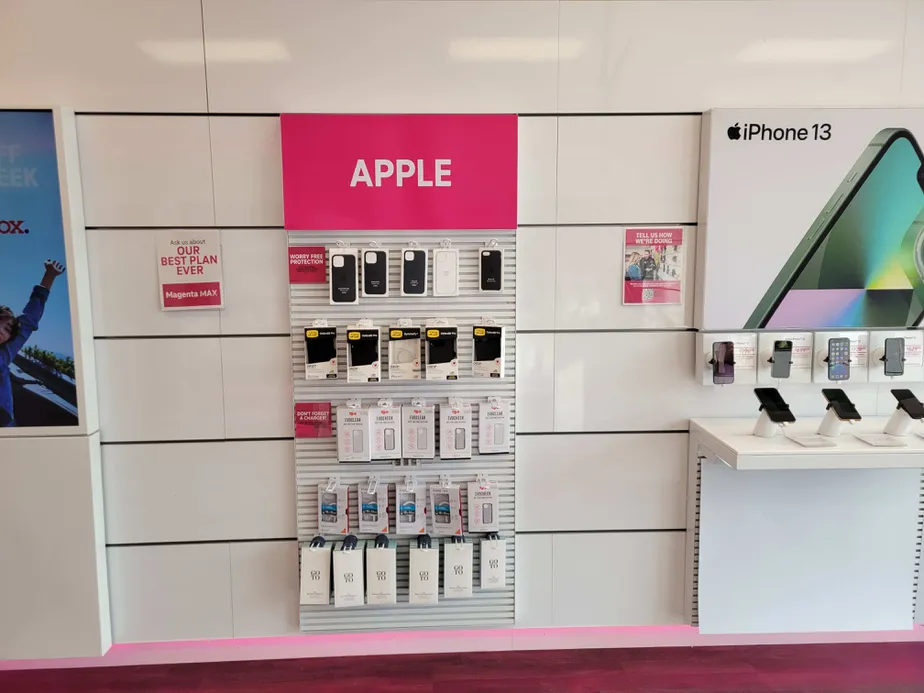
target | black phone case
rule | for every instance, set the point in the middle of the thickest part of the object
(343, 280)
(415, 272)
(375, 276)
(492, 270)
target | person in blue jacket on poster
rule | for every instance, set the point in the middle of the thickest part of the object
(15, 332)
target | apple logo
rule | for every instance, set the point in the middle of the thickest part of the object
(734, 132)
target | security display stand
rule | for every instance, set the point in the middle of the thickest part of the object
(831, 426)
(765, 428)
(899, 423)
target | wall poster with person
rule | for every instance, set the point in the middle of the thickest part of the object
(38, 381)
(653, 266)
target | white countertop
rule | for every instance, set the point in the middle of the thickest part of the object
(732, 441)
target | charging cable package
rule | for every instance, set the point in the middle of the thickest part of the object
(386, 431)
(457, 569)
(418, 423)
(363, 348)
(411, 518)
(315, 573)
(373, 508)
(424, 578)
(494, 426)
(349, 584)
(333, 508)
(488, 359)
(493, 563)
(320, 352)
(442, 350)
(455, 430)
(446, 504)
(354, 433)
(381, 571)
(483, 506)
(404, 353)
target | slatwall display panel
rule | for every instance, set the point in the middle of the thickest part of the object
(918, 599)
(316, 459)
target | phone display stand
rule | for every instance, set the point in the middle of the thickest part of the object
(765, 428)
(831, 426)
(899, 423)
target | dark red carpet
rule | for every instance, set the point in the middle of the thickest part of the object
(865, 668)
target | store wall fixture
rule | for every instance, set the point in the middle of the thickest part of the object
(229, 52)
(815, 51)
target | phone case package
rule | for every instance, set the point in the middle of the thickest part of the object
(321, 353)
(488, 359)
(494, 426)
(445, 272)
(418, 423)
(404, 353)
(354, 434)
(375, 272)
(483, 506)
(386, 431)
(413, 272)
(446, 510)
(491, 270)
(442, 353)
(344, 276)
(333, 510)
(363, 347)
(373, 510)
(455, 431)
(411, 518)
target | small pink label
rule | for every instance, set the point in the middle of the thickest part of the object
(307, 265)
(312, 420)
(192, 295)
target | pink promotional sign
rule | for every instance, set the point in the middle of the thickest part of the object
(312, 420)
(307, 264)
(388, 172)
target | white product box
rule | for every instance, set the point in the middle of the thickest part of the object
(315, 579)
(457, 570)
(857, 370)
(483, 506)
(411, 517)
(354, 433)
(734, 354)
(801, 356)
(404, 353)
(373, 509)
(381, 574)
(321, 353)
(333, 509)
(455, 430)
(363, 354)
(349, 589)
(494, 426)
(445, 272)
(493, 564)
(386, 431)
(896, 356)
(418, 430)
(488, 351)
(424, 583)
(442, 352)
(446, 510)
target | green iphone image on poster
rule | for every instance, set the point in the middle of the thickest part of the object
(861, 263)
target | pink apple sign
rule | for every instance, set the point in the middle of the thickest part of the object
(390, 172)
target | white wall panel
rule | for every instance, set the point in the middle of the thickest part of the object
(247, 166)
(625, 381)
(685, 55)
(535, 382)
(264, 588)
(627, 169)
(255, 281)
(103, 55)
(913, 66)
(588, 283)
(536, 285)
(199, 491)
(257, 387)
(497, 56)
(178, 592)
(617, 481)
(146, 170)
(160, 389)
(534, 580)
(622, 579)
(123, 288)
(537, 181)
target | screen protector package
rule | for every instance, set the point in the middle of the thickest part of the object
(333, 509)
(354, 433)
(442, 352)
(386, 431)
(320, 353)
(363, 345)
(488, 359)
(455, 430)
(373, 510)
(446, 510)
(404, 353)
(494, 426)
(411, 517)
(418, 426)
(483, 506)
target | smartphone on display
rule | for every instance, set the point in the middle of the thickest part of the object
(909, 403)
(344, 278)
(772, 402)
(861, 263)
(841, 404)
(375, 273)
(723, 363)
(781, 366)
(491, 270)
(839, 358)
(894, 359)
(413, 272)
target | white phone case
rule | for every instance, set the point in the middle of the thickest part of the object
(445, 272)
